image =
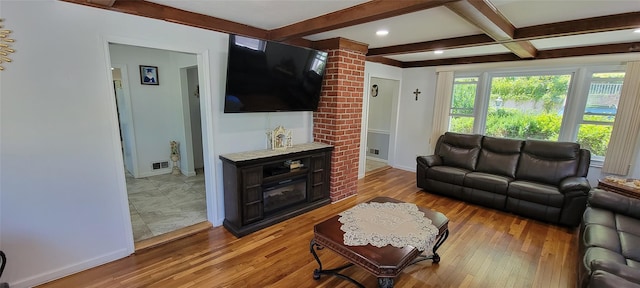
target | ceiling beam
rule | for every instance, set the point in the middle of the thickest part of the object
(544, 54)
(581, 26)
(484, 16)
(590, 50)
(463, 60)
(362, 13)
(451, 43)
(170, 14)
(386, 61)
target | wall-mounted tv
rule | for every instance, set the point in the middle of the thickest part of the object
(267, 76)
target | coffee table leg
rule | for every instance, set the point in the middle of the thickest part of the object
(385, 282)
(436, 257)
(317, 272)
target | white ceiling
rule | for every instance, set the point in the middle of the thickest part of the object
(264, 14)
(414, 27)
(427, 25)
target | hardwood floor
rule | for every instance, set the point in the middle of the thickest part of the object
(486, 248)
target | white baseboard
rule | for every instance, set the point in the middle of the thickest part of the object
(69, 269)
(377, 159)
(155, 173)
(410, 169)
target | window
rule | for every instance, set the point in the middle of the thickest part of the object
(594, 130)
(462, 103)
(527, 107)
(565, 104)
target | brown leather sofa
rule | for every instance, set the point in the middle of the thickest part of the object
(538, 179)
(609, 241)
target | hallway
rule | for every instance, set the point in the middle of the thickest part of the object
(164, 203)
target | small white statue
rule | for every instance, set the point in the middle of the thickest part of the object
(175, 157)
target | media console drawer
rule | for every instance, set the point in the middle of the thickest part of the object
(265, 187)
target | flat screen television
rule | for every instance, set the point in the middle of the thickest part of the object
(267, 76)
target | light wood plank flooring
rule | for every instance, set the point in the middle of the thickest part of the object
(486, 248)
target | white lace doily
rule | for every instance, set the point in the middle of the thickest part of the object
(381, 224)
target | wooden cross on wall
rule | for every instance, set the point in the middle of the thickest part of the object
(416, 93)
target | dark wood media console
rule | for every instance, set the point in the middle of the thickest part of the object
(265, 187)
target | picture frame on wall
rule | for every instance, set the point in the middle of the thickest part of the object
(149, 75)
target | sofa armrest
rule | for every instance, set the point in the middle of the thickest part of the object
(615, 202)
(575, 184)
(429, 161)
(620, 270)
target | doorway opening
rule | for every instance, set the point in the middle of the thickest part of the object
(166, 194)
(383, 96)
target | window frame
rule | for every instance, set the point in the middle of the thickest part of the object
(587, 76)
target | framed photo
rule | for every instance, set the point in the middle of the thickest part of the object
(149, 75)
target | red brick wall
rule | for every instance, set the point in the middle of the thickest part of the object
(338, 118)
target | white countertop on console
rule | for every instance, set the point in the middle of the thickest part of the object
(250, 155)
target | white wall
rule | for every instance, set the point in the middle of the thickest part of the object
(380, 106)
(63, 205)
(415, 119)
(410, 119)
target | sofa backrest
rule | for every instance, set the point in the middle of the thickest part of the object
(459, 150)
(548, 162)
(499, 156)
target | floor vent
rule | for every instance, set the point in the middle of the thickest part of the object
(160, 165)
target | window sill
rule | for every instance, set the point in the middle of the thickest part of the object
(596, 163)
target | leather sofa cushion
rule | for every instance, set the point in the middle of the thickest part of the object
(536, 193)
(460, 150)
(630, 245)
(604, 279)
(447, 174)
(487, 182)
(548, 162)
(621, 270)
(599, 216)
(602, 237)
(499, 156)
(597, 253)
(628, 225)
(607, 236)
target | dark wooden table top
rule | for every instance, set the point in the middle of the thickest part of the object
(387, 261)
(619, 188)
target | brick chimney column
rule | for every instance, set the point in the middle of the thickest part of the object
(338, 119)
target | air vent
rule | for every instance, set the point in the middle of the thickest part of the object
(160, 165)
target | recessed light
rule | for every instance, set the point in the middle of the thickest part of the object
(438, 52)
(636, 31)
(382, 32)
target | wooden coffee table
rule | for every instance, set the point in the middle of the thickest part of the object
(384, 262)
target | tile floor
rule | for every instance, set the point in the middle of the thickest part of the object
(164, 203)
(371, 164)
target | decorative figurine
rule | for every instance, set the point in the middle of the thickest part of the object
(280, 138)
(175, 157)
